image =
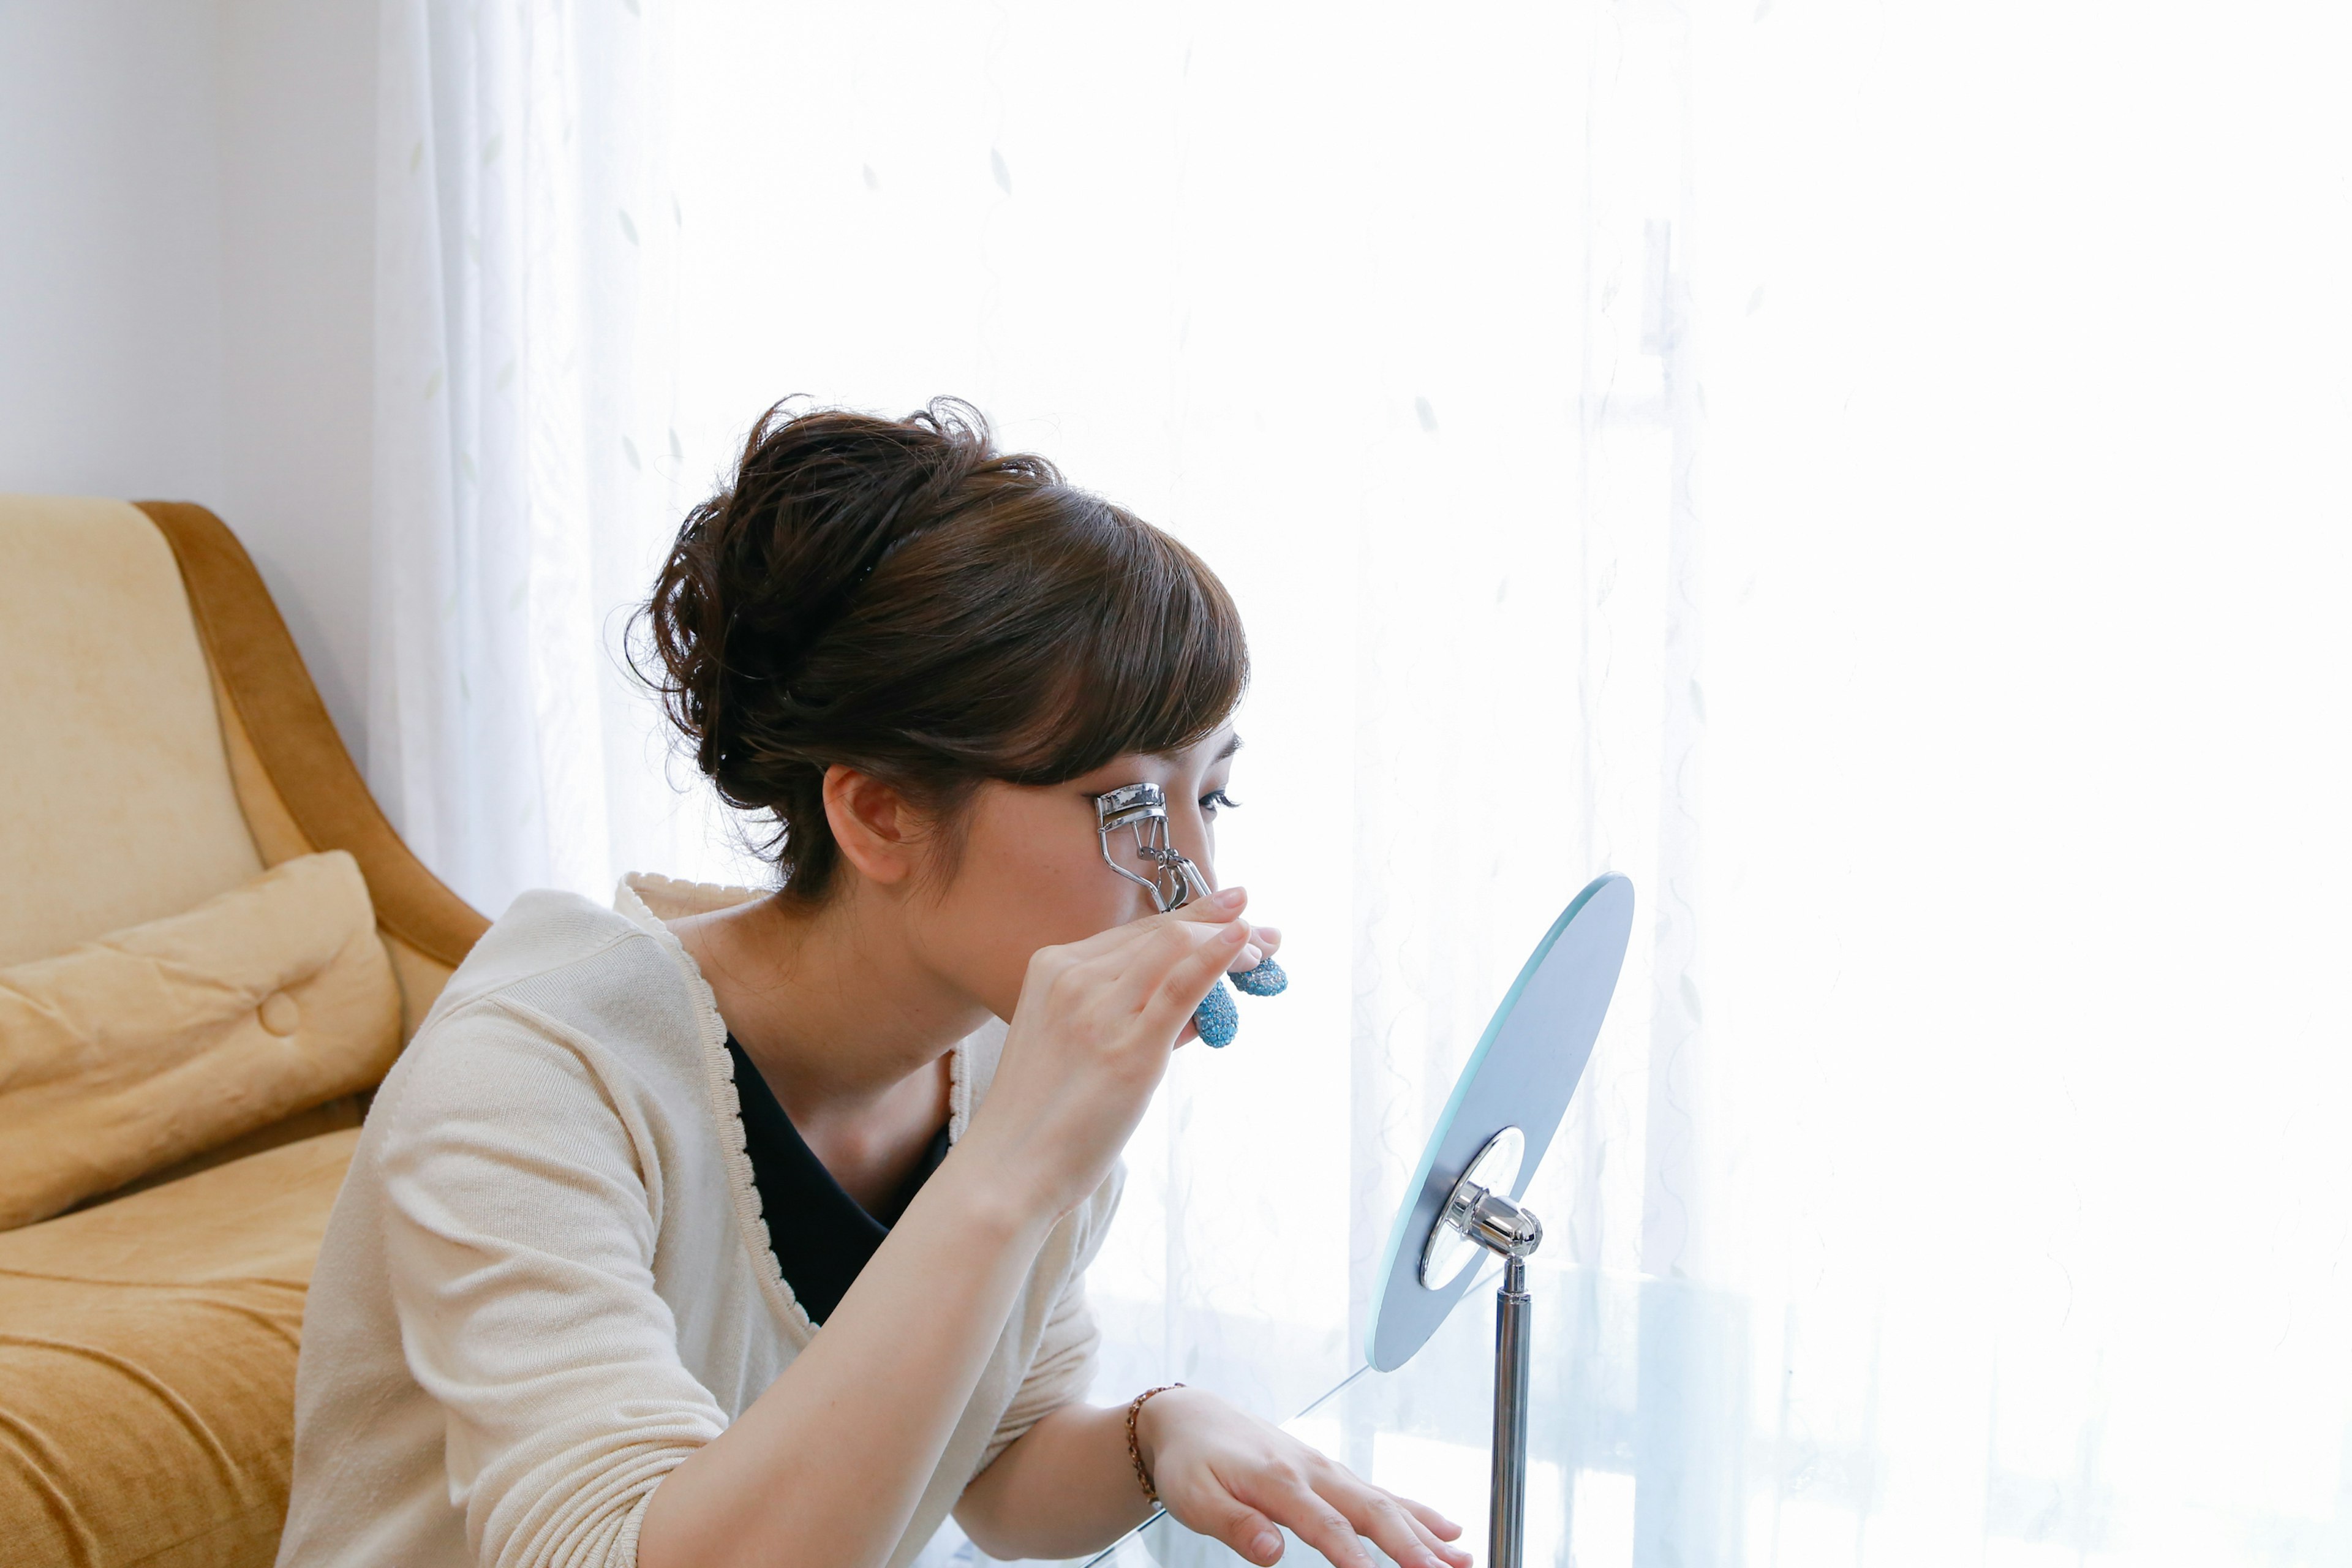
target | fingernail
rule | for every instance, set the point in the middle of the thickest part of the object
(1271, 933)
(1254, 955)
(1230, 898)
(1235, 933)
(1263, 1543)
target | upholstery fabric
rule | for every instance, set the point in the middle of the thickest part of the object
(126, 1053)
(162, 745)
(121, 808)
(147, 1351)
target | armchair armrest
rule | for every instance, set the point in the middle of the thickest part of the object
(272, 700)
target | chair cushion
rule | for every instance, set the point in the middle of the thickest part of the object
(125, 1054)
(121, 805)
(147, 1351)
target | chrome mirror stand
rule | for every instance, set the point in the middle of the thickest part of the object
(1477, 1220)
(1520, 1077)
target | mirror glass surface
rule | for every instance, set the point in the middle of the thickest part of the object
(1521, 1074)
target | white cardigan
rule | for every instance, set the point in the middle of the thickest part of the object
(547, 1282)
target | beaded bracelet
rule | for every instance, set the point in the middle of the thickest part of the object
(1135, 1450)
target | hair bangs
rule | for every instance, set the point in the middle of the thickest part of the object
(1163, 662)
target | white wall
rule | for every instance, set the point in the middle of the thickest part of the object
(186, 266)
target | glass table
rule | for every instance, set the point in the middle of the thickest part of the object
(1648, 1406)
(1423, 1429)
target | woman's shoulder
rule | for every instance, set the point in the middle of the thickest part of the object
(560, 975)
(560, 949)
(544, 932)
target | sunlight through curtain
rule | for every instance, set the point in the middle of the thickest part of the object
(1873, 476)
(526, 246)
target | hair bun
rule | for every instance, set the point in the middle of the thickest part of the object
(819, 501)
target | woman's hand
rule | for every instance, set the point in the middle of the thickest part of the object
(1263, 942)
(890, 1376)
(1088, 1042)
(1233, 1477)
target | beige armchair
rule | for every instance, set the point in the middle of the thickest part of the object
(175, 798)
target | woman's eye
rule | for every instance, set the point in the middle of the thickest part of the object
(1215, 798)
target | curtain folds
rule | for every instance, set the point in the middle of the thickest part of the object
(526, 240)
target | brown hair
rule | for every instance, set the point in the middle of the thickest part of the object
(896, 596)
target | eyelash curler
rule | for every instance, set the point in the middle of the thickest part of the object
(1174, 881)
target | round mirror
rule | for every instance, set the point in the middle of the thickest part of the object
(1520, 1074)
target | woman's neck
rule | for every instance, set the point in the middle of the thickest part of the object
(843, 1019)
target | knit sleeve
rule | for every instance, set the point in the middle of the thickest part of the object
(1063, 1370)
(521, 1192)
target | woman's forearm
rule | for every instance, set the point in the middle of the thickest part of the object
(1064, 1489)
(827, 1465)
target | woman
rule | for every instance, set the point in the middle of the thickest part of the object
(566, 1308)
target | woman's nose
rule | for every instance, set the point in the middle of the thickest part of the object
(1191, 840)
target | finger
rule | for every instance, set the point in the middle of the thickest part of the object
(1375, 1513)
(1117, 945)
(1122, 945)
(1310, 1516)
(1441, 1555)
(1436, 1523)
(1264, 942)
(1221, 905)
(1111, 939)
(1167, 943)
(1164, 938)
(1364, 1502)
(1179, 987)
(1239, 1526)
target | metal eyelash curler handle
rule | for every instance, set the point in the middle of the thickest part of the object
(1174, 881)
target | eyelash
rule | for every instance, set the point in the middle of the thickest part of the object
(1217, 797)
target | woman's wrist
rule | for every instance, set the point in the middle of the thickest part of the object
(989, 1200)
(1163, 1413)
(1008, 1180)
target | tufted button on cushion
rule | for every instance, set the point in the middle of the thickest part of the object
(280, 1014)
(135, 1050)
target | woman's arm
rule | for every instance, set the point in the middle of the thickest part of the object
(1064, 1488)
(1067, 1488)
(827, 1466)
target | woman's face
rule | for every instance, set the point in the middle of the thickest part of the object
(1031, 873)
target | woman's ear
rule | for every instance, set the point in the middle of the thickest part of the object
(878, 830)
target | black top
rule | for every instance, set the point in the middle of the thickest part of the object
(820, 1234)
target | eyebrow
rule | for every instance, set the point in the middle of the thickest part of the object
(1232, 743)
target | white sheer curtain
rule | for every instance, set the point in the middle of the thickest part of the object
(1871, 475)
(525, 330)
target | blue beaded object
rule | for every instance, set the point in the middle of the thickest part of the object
(1267, 980)
(1215, 1017)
